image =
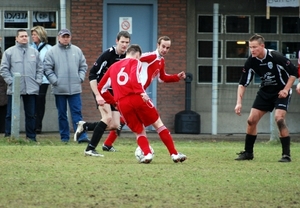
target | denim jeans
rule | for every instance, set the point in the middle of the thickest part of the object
(29, 108)
(75, 106)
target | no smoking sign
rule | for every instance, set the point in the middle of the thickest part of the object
(125, 24)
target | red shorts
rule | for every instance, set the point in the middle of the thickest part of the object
(137, 113)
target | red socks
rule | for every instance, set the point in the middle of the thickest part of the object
(167, 139)
(111, 138)
(143, 142)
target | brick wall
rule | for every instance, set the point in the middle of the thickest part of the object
(86, 22)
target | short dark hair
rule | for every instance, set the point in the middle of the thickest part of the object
(258, 38)
(165, 38)
(134, 48)
(20, 30)
(123, 34)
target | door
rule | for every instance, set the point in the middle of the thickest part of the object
(139, 18)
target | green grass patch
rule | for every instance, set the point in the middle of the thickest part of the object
(53, 174)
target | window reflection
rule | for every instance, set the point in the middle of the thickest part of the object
(271, 45)
(15, 19)
(290, 49)
(45, 19)
(237, 49)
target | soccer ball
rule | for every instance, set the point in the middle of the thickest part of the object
(139, 154)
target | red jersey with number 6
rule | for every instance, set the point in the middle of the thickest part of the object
(124, 77)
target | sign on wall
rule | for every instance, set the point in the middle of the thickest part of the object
(282, 3)
(125, 24)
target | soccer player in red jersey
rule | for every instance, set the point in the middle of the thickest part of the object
(134, 104)
(153, 64)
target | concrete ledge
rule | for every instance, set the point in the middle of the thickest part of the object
(154, 135)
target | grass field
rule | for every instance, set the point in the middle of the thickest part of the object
(53, 174)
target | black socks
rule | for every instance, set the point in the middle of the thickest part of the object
(285, 143)
(97, 134)
(90, 126)
(249, 143)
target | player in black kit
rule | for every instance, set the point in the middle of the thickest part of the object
(277, 75)
(110, 117)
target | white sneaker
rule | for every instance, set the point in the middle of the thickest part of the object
(179, 157)
(147, 159)
(93, 153)
(79, 130)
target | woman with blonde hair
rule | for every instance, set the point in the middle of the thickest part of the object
(40, 42)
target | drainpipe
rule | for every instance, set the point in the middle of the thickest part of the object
(63, 14)
(215, 70)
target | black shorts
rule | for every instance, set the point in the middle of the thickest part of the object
(268, 101)
(97, 106)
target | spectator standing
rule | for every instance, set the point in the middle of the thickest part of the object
(40, 42)
(24, 60)
(277, 75)
(65, 68)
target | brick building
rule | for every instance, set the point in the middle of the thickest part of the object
(189, 23)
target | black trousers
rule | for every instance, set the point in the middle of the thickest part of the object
(40, 106)
(2, 118)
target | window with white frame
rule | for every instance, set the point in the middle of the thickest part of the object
(205, 49)
(237, 49)
(205, 74)
(205, 24)
(16, 19)
(264, 25)
(237, 24)
(21, 19)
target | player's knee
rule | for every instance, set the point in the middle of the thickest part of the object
(107, 119)
(281, 124)
(251, 122)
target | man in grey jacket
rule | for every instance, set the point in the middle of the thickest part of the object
(65, 67)
(25, 60)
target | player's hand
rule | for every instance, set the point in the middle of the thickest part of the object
(283, 93)
(145, 97)
(100, 100)
(238, 109)
(298, 88)
(181, 75)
